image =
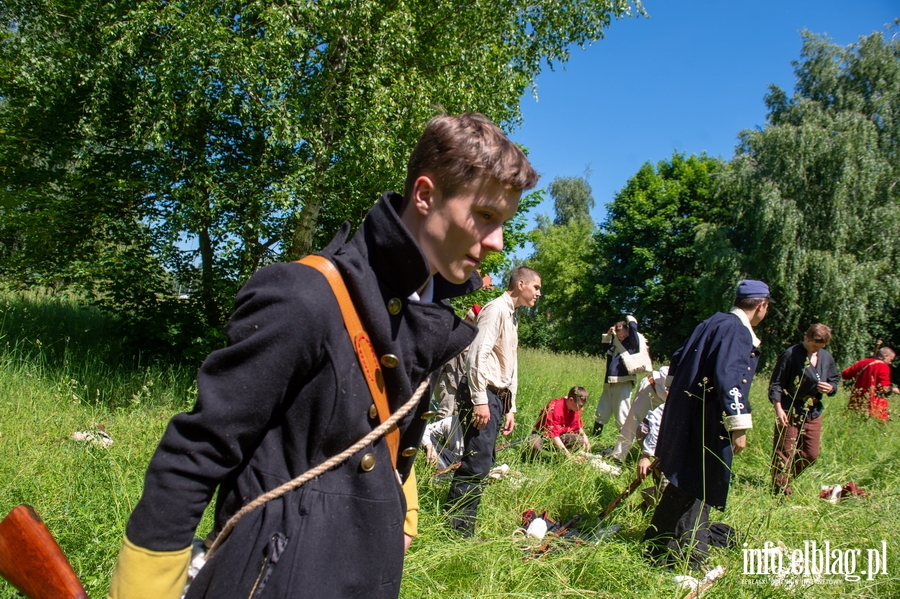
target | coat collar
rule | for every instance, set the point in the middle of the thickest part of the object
(742, 316)
(396, 258)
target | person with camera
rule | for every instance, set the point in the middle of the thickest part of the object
(626, 357)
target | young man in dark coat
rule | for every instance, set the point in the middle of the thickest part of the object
(802, 374)
(705, 422)
(288, 393)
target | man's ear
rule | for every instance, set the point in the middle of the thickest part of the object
(424, 194)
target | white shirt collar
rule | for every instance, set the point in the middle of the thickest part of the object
(427, 294)
(742, 316)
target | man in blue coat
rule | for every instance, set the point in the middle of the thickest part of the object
(705, 424)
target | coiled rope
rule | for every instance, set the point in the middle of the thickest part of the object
(377, 432)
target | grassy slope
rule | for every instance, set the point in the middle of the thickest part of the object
(864, 451)
(76, 379)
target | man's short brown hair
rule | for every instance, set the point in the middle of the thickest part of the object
(522, 273)
(460, 150)
(819, 332)
(749, 303)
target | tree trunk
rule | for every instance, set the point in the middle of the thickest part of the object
(207, 291)
(305, 229)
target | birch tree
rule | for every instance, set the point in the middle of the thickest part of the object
(199, 140)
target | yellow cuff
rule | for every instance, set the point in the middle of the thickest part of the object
(411, 524)
(144, 574)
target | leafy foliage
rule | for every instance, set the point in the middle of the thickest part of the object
(648, 247)
(566, 258)
(817, 197)
(809, 204)
(214, 158)
(572, 199)
(642, 261)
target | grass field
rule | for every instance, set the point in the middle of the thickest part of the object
(61, 371)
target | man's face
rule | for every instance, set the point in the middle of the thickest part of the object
(889, 357)
(760, 313)
(459, 231)
(813, 345)
(622, 333)
(529, 292)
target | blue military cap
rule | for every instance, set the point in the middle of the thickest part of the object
(748, 288)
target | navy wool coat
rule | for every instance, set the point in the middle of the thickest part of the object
(286, 394)
(711, 376)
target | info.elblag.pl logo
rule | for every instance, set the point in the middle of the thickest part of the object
(815, 562)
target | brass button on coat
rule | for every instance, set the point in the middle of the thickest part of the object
(367, 462)
(428, 414)
(744, 381)
(409, 452)
(394, 306)
(390, 361)
(373, 411)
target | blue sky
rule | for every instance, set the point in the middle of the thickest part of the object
(688, 78)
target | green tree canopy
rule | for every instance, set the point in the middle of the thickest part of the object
(818, 197)
(564, 255)
(187, 144)
(572, 199)
(647, 245)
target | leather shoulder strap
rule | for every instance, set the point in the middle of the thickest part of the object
(368, 361)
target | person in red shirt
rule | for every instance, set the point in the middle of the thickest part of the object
(872, 385)
(560, 421)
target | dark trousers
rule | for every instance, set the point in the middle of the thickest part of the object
(477, 461)
(679, 529)
(536, 442)
(795, 448)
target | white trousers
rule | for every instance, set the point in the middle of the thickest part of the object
(640, 407)
(615, 399)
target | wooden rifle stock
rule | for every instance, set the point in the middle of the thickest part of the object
(628, 491)
(31, 560)
(510, 444)
(452, 467)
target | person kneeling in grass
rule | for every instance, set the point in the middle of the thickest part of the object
(560, 421)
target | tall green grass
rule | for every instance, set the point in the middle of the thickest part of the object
(61, 371)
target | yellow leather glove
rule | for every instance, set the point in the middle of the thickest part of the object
(144, 574)
(411, 524)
